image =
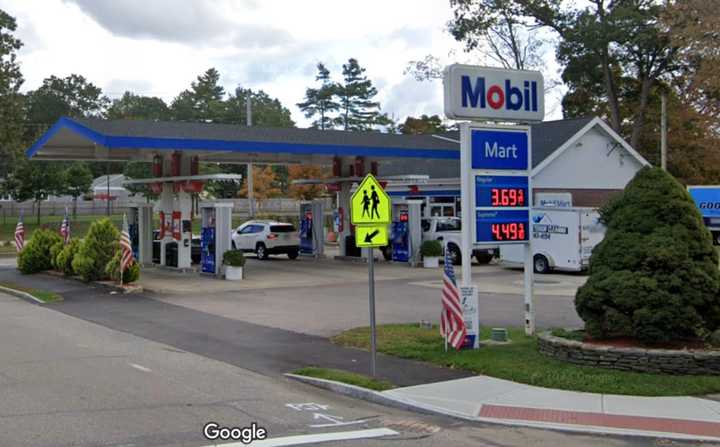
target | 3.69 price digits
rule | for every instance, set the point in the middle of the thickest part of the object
(514, 231)
(507, 197)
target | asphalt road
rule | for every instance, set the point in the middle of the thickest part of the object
(336, 303)
(69, 382)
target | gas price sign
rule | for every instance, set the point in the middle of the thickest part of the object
(501, 191)
(502, 225)
(500, 162)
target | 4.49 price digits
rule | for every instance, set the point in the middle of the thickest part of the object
(507, 197)
(514, 231)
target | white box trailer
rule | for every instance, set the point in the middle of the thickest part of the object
(562, 239)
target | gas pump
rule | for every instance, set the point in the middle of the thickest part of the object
(215, 235)
(306, 228)
(207, 241)
(133, 231)
(399, 240)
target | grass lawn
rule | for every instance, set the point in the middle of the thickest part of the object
(345, 377)
(43, 295)
(520, 361)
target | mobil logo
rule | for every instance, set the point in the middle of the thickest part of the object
(475, 93)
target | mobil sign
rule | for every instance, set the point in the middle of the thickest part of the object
(483, 93)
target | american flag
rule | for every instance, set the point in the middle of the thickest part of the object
(452, 325)
(65, 228)
(127, 253)
(19, 235)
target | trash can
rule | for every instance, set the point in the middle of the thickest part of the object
(350, 248)
(171, 254)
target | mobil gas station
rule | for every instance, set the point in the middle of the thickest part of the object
(565, 163)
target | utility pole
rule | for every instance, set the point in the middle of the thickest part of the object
(251, 189)
(107, 171)
(663, 132)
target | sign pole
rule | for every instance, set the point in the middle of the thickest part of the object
(468, 213)
(529, 305)
(371, 289)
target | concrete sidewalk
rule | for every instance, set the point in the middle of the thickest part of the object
(487, 399)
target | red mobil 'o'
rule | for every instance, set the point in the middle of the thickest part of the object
(495, 96)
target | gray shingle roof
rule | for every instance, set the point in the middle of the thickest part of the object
(547, 136)
(231, 132)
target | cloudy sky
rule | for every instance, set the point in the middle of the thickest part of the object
(157, 47)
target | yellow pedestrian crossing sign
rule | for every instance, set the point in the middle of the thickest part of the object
(370, 204)
(371, 235)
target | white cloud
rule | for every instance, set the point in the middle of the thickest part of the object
(158, 47)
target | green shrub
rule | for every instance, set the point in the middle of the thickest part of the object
(130, 274)
(234, 258)
(97, 248)
(655, 275)
(64, 259)
(35, 256)
(431, 248)
(54, 251)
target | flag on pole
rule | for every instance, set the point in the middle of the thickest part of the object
(452, 325)
(127, 253)
(19, 235)
(65, 228)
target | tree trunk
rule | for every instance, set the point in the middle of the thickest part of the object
(639, 120)
(611, 94)
(74, 207)
(37, 203)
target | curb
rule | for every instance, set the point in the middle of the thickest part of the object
(20, 294)
(395, 402)
(109, 285)
(368, 395)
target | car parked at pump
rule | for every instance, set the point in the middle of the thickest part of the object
(448, 231)
(265, 238)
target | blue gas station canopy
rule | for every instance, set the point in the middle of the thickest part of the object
(97, 139)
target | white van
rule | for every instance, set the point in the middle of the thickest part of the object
(562, 239)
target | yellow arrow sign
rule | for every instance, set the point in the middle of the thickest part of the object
(370, 204)
(371, 235)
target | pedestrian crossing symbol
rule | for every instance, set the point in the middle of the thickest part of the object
(371, 235)
(370, 204)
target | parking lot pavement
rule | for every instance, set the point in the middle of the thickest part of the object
(68, 382)
(64, 381)
(333, 296)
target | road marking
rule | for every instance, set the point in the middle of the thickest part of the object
(140, 367)
(315, 439)
(335, 421)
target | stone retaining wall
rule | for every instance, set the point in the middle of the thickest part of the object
(663, 361)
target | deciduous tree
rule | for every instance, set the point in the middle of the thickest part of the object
(137, 107)
(34, 180)
(11, 101)
(265, 185)
(423, 125)
(306, 192)
(76, 181)
(266, 111)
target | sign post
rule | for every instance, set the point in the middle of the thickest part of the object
(495, 160)
(371, 213)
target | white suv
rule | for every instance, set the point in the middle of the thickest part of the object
(267, 238)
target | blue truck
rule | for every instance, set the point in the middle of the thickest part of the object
(707, 199)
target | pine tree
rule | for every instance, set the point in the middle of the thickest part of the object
(358, 111)
(321, 101)
(203, 101)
